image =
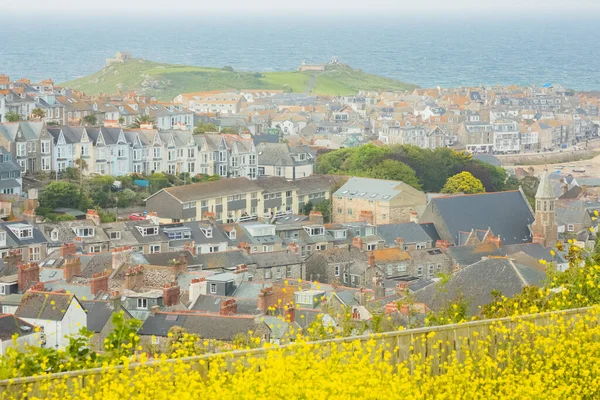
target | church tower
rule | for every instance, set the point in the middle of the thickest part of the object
(544, 229)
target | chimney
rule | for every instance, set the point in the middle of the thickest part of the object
(372, 259)
(93, 216)
(72, 268)
(405, 309)
(121, 256)
(264, 299)
(315, 217)
(361, 297)
(366, 216)
(565, 189)
(240, 269)
(244, 246)
(68, 249)
(38, 287)
(152, 216)
(171, 294)
(493, 239)
(115, 298)
(190, 247)
(402, 289)
(228, 307)
(290, 313)
(400, 243)
(357, 242)
(391, 307)
(414, 217)
(99, 282)
(197, 288)
(442, 244)
(209, 216)
(27, 275)
(293, 248)
(154, 309)
(134, 277)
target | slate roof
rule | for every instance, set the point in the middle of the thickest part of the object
(224, 259)
(276, 258)
(507, 213)
(207, 190)
(410, 232)
(342, 255)
(371, 189)
(11, 325)
(271, 184)
(163, 259)
(205, 325)
(572, 216)
(98, 314)
(38, 305)
(13, 240)
(208, 303)
(477, 281)
(317, 183)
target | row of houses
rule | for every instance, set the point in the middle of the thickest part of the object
(38, 147)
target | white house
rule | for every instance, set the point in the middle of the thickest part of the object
(59, 315)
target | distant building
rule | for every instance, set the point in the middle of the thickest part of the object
(120, 57)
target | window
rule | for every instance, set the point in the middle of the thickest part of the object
(279, 171)
(303, 298)
(147, 230)
(142, 304)
(213, 249)
(267, 273)
(254, 195)
(157, 152)
(31, 148)
(54, 235)
(213, 288)
(336, 270)
(431, 271)
(95, 248)
(420, 246)
(222, 156)
(345, 278)
(420, 271)
(570, 227)
(371, 246)
(21, 149)
(34, 254)
(321, 247)
(45, 147)
(349, 211)
(45, 164)
(288, 271)
(354, 279)
(389, 269)
(155, 339)
(154, 248)
(402, 267)
(115, 235)
(84, 232)
(340, 210)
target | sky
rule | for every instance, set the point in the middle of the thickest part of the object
(337, 8)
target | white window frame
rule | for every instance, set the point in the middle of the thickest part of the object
(212, 288)
(142, 304)
(154, 248)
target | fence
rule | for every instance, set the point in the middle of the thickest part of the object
(432, 345)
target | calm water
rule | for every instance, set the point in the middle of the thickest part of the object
(427, 52)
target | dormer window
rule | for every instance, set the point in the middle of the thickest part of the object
(232, 234)
(315, 230)
(339, 234)
(84, 232)
(207, 231)
(2, 238)
(22, 231)
(54, 235)
(147, 230)
(114, 235)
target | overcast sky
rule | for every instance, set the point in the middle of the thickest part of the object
(310, 7)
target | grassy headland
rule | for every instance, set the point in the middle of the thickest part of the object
(165, 81)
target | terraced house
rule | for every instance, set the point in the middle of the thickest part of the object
(30, 143)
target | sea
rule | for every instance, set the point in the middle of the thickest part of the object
(438, 51)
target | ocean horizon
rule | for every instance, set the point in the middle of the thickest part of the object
(429, 52)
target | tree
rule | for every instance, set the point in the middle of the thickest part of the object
(204, 127)
(395, 171)
(463, 182)
(12, 116)
(60, 194)
(121, 120)
(324, 208)
(38, 113)
(90, 119)
(144, 119)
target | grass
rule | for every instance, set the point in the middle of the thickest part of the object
(165, 81)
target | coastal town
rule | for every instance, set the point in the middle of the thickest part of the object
(249, 232)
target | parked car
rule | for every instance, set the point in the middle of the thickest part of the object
(137, 217)
(579, 170)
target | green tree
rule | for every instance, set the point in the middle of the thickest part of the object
(143, 120)
(121, 120)
(12, 116)
(463, 182)
(90, 119)
(395, 171)
(204, 127)
(324, 208)
(38, 113)
(123, 340)
(308, 207)
(60, 194)
(125, 198)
